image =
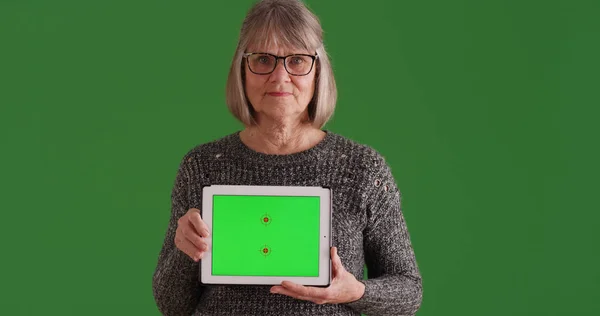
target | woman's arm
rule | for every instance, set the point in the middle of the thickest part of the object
(175, 282)
(394, 285)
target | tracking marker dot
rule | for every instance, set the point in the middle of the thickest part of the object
(265, 219)
(265, 250)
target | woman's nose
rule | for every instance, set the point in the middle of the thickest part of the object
(280, 73)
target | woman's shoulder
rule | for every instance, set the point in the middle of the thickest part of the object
(211, 149)
(360, 153)
(369, 166)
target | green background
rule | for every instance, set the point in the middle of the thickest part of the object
(291, 235)
(487, 112)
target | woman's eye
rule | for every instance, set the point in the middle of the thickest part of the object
(263, 59)
(297, 60)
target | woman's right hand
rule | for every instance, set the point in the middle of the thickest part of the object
(190, 233)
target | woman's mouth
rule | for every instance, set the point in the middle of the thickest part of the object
(279, 94)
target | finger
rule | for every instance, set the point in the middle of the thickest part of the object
(197, 222)
(336, 260)
(188, 248)
(334, 266)
(190, 234)
(305, 291)
(283, 291)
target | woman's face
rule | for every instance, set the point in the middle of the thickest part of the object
(279, 96)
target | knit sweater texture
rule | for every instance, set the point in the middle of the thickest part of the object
(368, 227)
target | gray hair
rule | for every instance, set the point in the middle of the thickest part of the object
(291, 24)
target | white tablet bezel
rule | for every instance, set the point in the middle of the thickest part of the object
(324, 277)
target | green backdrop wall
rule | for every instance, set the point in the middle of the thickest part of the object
(487, 112)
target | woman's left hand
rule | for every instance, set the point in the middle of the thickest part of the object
(344, 287)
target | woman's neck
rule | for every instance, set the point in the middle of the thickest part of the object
(281, 139)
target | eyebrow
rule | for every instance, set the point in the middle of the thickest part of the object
(287, 52)
(291, 54)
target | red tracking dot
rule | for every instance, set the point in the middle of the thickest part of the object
(266, 219)
(265, 250)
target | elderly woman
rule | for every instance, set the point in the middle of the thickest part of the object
(281, 86)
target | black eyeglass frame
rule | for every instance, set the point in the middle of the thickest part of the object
(277, 58)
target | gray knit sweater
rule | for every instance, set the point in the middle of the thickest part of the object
(368, 228)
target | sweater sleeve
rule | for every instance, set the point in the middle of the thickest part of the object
(394, 285)
(175, 284)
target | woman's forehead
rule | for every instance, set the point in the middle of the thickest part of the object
(277, 50)
(278, 44)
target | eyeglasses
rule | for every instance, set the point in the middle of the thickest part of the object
(295, 65)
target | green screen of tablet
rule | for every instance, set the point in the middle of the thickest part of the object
(265, 235)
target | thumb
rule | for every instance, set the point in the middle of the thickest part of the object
(338, 267)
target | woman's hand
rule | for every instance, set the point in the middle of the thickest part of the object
(344, 287)
(189, 234)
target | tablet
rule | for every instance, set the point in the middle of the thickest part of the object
(266, 234)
